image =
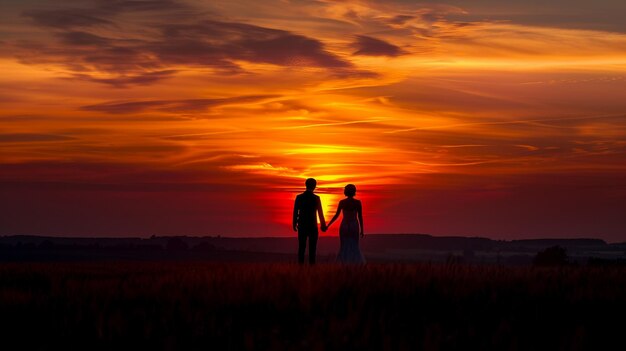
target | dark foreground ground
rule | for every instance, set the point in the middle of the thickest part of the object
(218, 306)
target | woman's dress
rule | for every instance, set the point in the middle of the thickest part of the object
(349, 251)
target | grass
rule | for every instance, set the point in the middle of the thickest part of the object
(200, 306)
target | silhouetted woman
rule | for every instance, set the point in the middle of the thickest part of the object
(351, 227)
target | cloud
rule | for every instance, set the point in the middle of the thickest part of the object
(188, 105)
(86, 54)
(183, 39)
(375, 47)
(80, 38)
(142, 6)
(400, 19)
(31, 137)
(293, 50)
(65, 18)
(209, 41)
(102, 14)
(605, 15)
(406, 21)
(125, 81)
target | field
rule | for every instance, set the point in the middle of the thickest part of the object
(218, 306)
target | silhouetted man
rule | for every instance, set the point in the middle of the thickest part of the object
(305, 210)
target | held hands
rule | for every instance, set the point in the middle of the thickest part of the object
(326, 226)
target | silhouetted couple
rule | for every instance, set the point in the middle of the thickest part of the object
(306, 209)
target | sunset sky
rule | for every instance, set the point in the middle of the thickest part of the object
(503, 119)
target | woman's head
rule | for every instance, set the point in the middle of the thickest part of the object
(349, 190)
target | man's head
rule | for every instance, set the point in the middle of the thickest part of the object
(310, 184)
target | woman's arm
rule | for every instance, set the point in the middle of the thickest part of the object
(360, 214)
(339, 206)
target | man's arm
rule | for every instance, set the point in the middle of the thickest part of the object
(320, 211)
(294, 223)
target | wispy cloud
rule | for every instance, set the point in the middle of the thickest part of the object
(365, 45)
(31, 137)
(189, 105)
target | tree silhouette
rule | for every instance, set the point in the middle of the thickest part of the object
(552, 256)
(176, 244)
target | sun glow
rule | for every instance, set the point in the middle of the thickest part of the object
(325, 150)
(329, 203)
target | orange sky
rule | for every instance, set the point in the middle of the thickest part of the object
(204, 118)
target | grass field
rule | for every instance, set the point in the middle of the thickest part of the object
(217, 306)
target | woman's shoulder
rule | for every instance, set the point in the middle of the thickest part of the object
(350, 202)
(357, 202)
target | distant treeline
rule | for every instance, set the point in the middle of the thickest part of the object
(376, 247)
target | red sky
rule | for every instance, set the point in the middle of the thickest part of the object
(483, 118)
